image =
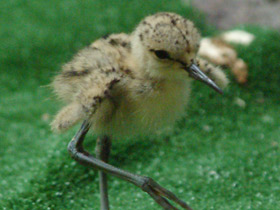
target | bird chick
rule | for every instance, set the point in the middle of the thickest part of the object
(142, 79)
(132, 84)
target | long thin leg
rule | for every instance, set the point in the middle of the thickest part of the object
(103, 146)
(158, 193)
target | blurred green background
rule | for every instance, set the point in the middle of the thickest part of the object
(221, 156)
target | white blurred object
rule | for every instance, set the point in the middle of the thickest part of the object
(238, 37)
(240, 102)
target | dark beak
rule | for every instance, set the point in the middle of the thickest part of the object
(197, 74)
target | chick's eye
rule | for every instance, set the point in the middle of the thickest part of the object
(161, 54)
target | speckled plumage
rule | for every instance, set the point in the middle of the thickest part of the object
(125, 88)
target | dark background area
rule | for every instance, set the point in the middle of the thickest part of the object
(227, 13)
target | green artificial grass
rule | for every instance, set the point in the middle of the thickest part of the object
(220, 157)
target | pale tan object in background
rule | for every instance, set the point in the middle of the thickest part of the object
(240, 71)
(219, 51)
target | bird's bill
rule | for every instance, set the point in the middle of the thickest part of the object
(197, 74)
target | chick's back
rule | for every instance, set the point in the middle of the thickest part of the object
(94, 67)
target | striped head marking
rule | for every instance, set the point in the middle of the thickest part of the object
(168, 36)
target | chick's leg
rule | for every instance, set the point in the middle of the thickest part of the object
(103, 146)
(158, 193)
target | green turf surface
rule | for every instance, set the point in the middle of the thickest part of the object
(221, 157)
